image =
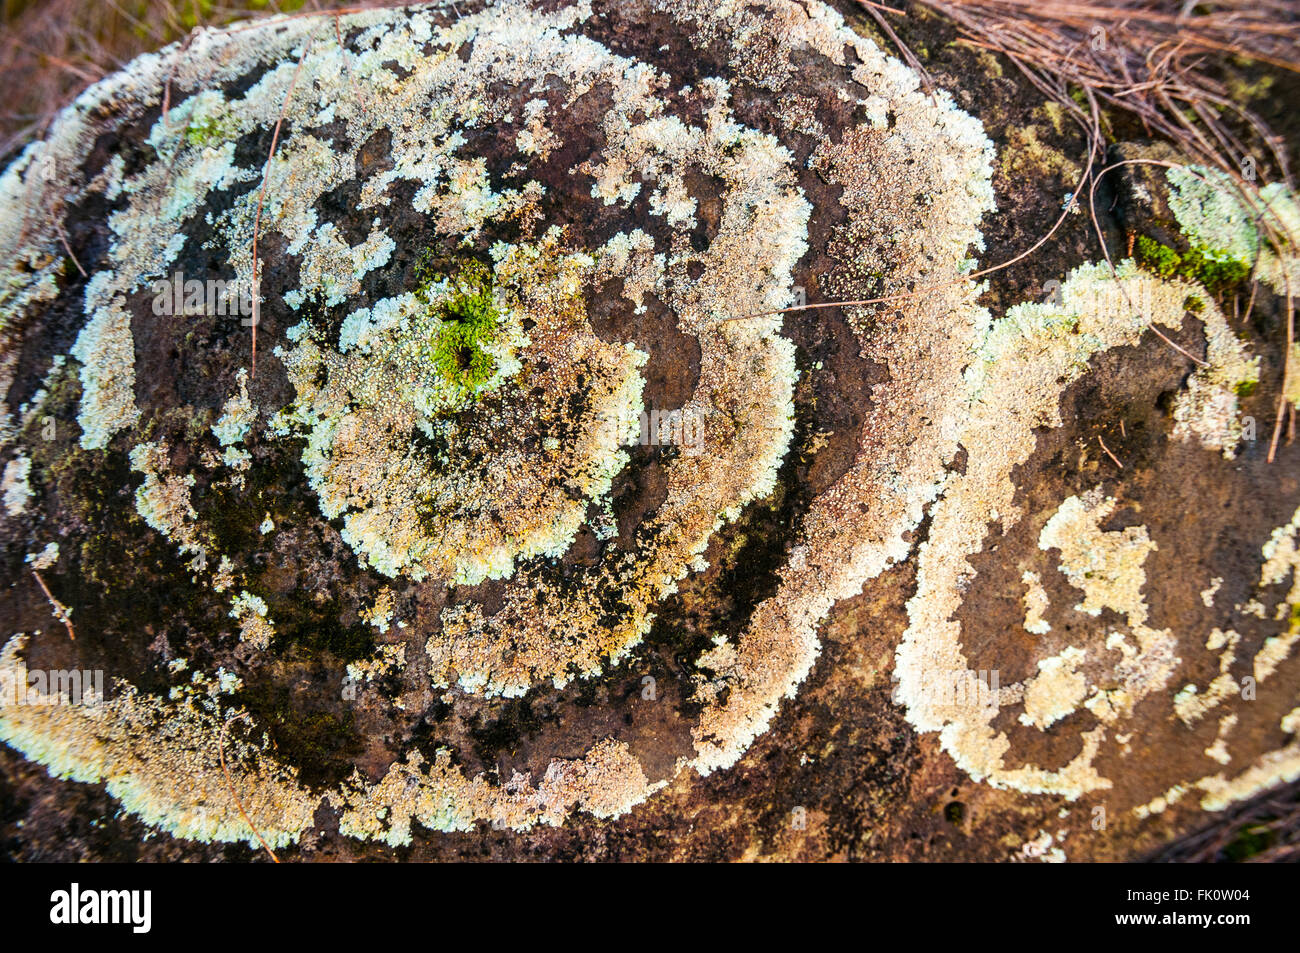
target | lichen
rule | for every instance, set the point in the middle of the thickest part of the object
(105, 349)
(1025, 360)
(254, 626)
(17, 491)
(236, 417)
(1232, 235)
(161, 759)
(415, 410)
(461, 433)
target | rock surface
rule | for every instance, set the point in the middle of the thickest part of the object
(449, 485)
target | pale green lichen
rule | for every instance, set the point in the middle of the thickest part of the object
(1281, 559)
(1090, 686)
(1056, 690)
(1209, 407)
(1107, 566)
(386, 660)
(1036, 603)
(237, 415)
(1206, 205)
(381, 612)
(45, 558)
(105, 349)
(1190, 703)
(162, 760)
(254, 626)
(408, 516)
(163, 499)
(17, 491)
(1225, 226)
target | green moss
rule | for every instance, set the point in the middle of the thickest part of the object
(469, 321)
(1194, 304)
(1215, 273)
(1249, 842)
(1245, 388)
(1215, 270)
(195, 13)
(1242, 89)
(1158, 258)
(1056, 114)
(209, 129)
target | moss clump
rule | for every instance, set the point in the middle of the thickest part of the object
(468, 325)
(1153, 256)
(1217, 272)
(200, 132)
(1249, 842)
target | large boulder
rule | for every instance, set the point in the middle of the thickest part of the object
(408, 442)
